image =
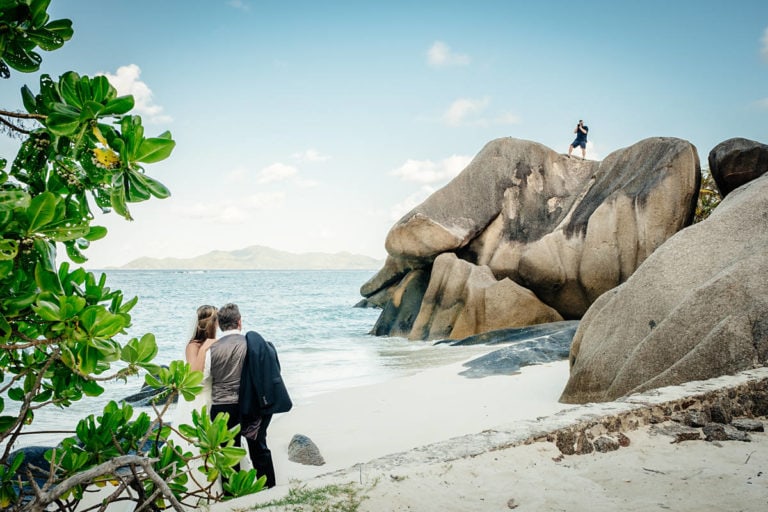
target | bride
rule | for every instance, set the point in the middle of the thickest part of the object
(203, 336)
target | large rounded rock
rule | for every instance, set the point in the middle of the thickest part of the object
(697, 308)
(737, 161)
(464, 299)
(565, 230)
(402, 306)
(638, 197)
(538, 184)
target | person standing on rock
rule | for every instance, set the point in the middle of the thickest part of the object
(581, 139)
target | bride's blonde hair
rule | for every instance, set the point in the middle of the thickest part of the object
(206, 324)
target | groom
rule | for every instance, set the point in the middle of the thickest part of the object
(247, 385)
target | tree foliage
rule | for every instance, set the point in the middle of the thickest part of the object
(709, 196)
(82, 149)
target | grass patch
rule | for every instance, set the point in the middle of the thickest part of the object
(329, 498)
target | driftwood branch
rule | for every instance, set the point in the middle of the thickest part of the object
(43, 499)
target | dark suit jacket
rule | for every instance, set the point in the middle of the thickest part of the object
(262, 390)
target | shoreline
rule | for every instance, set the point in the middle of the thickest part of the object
(512, 450)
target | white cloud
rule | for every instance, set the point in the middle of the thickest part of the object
(763, 103)
(470, 112)
(409, 203)
(427, 171)
(266, 200)
(440, 55)
(239, 4)
(127, 81)
(276, 172)
(593, 152)
(461, 110)
(215, 214)
(237, 175)
(239, 211)
(310, 155)
(507, 118)
(764, 48)
(305, 183)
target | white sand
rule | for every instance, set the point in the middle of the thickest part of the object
(360, 424)
(650, 474)
(439, 441)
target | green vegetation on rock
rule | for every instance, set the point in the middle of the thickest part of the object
(709, 197)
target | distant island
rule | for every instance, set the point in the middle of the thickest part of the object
(259, 258)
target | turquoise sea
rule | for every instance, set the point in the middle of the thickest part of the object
(322, 340)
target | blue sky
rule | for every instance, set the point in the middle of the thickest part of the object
(313, 126)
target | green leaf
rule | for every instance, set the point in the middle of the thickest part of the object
(6, 422)
(231, 455)
(12, 199)
(47, 310)
(43, 396)
(47, 281)
(28, 97)
(68, 88)
(118, 106)
(154, 150)
(61, 27)
(104, 324)
(91, 110)
(92, 388)
(5, 330)
(16, 394)
(41, 211)
(38, 12)
(62, 124)
(6, 267)
(156, 188)
(8, 249)
(244, 482)
(20, 58)
(96, 233)
(137, 189)
(71, 306)
(140, 351)
(46, 252)
(45, 39)
(152, 381)
(101, 89)
(117, 197)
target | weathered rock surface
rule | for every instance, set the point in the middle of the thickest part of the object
(696, 308)
(524, 230)
(521, 346)
(720, 432)
(735, 162)
(463, 299)
(303, 450)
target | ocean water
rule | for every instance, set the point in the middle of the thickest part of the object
(322, 340)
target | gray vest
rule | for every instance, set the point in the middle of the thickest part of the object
(227, 357)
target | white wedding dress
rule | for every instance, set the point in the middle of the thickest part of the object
(183, 414)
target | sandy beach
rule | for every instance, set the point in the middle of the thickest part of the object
(440, 441)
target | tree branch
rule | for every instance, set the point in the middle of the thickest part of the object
(13, 127)
(21, 115)
(26, 405)
(86, 477)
